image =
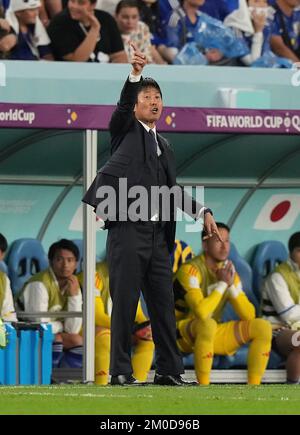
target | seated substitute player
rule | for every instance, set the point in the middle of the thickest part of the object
(281, 306)
(202, 287)
(57, 289)
(143, 346)
(7, 309)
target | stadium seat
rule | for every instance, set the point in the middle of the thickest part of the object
(267, 255)
(182, 252)
(26, 257)
(236, 361)
(239, 360)
(3, 267)
(188, 361)
(79, 244)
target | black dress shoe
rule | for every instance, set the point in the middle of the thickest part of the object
(125, 380)
(172, 380)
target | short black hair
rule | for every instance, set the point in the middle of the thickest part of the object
(63, 244)
(126, 4)
(294, 241)
(149, 82)
(3, 243)
(219, 225)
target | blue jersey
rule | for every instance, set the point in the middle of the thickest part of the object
(25, 48)
(216, 9)
(292, 25)
(180, 29)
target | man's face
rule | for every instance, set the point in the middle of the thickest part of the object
(149, 105)
(216, 249)
(80, 8)
(2, 255)
(28, 16)
(295, 255)
(63, 264)
(127, 19)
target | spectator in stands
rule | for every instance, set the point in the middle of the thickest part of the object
(252, 20)
(202, 287)
(7, 309)
(57, 289)
(135, 31)
(32, 41)
(216, 9)
(81, 34)
(8, 39)
(183, 24)
(281, 306)
(149, 10)
(285, 40)
(142, 355)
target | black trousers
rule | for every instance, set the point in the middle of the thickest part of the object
(139, 260)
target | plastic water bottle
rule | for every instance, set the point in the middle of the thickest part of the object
(190, 55)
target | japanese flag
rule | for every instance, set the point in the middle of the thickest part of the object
(279, 213)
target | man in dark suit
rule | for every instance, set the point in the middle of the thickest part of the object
(138, 249)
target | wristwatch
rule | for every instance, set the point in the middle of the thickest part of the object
(207, 210)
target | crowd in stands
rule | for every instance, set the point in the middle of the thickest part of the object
(204, 285)
(264, 33)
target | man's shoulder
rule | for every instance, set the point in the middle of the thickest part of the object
(191, 266)
(40, 278)
(61, 19)
(175, 16)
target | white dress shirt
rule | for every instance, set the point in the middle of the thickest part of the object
(134, 79)
(277, 291)
(36, 299)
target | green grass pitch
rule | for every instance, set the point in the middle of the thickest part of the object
(150, 400)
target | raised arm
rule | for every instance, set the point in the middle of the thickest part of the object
(123, 115)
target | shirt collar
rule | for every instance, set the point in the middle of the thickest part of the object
(293, 265)
(147, 128)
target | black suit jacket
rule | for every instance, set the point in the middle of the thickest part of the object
(130, 154)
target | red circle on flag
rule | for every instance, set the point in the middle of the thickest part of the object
(280, 211)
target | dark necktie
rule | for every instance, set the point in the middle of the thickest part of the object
(153, 141)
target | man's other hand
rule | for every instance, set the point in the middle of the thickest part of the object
(94, 23)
